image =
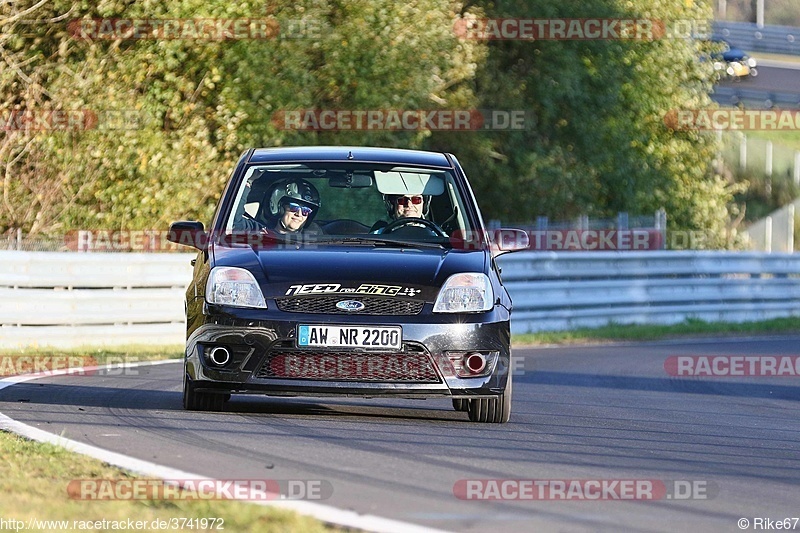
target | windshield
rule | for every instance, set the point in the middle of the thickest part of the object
(335, 203)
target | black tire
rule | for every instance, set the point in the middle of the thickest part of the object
(492, 410)
(461, 404)
(200, 401)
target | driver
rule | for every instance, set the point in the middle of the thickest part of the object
(403, 206)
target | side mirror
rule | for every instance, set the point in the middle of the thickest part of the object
(188, 233)
(509, 240)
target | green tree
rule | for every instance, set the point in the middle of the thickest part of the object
(189, 107)
(599, 143)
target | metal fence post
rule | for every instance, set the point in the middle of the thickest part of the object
(622, 224)
(743, 151)
(797, 167)
(768, 167)
(661, 226)
(768, 234)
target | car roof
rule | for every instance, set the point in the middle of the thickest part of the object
(357, 154)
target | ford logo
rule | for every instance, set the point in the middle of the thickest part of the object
(350, 305)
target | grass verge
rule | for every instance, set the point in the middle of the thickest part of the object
(34, 478)
(136, 352)
(29, 360)
(689, 328)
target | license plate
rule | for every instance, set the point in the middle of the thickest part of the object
(350, 336)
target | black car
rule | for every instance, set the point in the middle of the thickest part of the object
(350, 272)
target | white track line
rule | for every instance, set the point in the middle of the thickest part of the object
(325, 513)
(790, 65)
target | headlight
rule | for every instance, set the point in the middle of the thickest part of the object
(465, 293)
(233, 286)
(751, 62)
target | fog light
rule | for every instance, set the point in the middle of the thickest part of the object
(472, 364)
(475, 362)
(219, 356)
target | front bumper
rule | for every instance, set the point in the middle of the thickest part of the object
(257, 339)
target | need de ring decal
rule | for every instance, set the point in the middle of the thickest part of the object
(364, 288)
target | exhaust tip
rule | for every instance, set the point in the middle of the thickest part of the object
(219, 355)
(475, 362)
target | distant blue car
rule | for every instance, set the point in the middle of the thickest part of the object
(732, 63)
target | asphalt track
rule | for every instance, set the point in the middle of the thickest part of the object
(781, 79)
(579, 413)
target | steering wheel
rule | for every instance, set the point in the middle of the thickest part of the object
(411, 221)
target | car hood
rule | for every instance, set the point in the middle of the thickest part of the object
(358, 270)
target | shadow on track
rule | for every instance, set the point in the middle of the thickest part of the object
(87, 396)
(686, 385)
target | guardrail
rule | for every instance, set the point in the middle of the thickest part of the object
(755, 97)
(583, 289)
(71, 299)
(770, 39)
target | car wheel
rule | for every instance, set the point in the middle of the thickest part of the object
(461, 404)
(200, 401)
(492, 410)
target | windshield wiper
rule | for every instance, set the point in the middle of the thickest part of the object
(381, 241)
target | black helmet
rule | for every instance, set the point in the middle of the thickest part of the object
(294, 190)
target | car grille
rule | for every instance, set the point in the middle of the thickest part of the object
(401, 367)
(327, 305)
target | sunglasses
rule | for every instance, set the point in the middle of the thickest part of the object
(295, 208)
(404, 201)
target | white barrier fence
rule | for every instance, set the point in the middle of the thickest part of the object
(556, 291)
(72, 299)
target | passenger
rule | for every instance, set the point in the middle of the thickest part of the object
(293, 205)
